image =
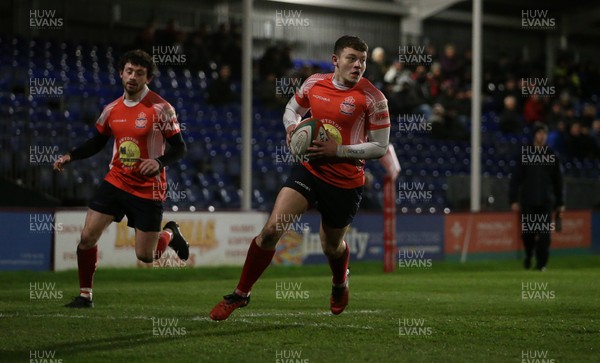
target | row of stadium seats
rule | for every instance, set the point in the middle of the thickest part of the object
(210, 174)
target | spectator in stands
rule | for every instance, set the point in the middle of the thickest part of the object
(286, 65)
(557, 138)
(595, 133)
(565, 77)
(447, 95)
(510, 120)
(436, 119)
(146, 38)
(588, 115)
(404, 101)
(445, 123)
(396, 77)
(590, 78)
(219, 41)
(271, 96)
(555, 116)
(376, 67)
(432, 51)
(422, 87)
(536, 190)
(533, 110)
(502, 68)
(221, 91)
(580, 145)
(233, 55)
(435, 80)
(170, 35)
(451, 65)
(275, 60)
(196, 48)
(508, 88)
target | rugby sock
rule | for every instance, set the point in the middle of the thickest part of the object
(87, 260)
(164, 238)
(339, 266)
(257, 261)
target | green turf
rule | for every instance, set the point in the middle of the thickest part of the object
(469, 313)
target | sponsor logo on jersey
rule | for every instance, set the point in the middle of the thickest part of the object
(140, 121)
(347, 107)
(129, 152)
(326, 99)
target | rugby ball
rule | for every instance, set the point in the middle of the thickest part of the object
(305, 133)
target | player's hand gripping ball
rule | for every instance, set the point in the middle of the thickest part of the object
(305, 133)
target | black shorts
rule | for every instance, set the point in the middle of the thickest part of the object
(337, 206)
(143, 214)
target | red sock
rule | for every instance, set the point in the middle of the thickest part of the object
(339, 266)
(164, 238)
(257, 261)
(87, 260)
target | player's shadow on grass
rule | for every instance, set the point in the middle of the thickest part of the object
(91, 346)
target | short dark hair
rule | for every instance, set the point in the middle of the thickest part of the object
(350, 41)
(139, 58)
(538, 126)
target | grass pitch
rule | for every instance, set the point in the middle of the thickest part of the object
(478, 312)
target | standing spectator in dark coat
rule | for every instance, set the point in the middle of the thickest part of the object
(536, 190)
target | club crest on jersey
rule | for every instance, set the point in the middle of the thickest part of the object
(347, 107)
(140, 121)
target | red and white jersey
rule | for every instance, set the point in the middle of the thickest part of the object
(140, 129)
(347, 115)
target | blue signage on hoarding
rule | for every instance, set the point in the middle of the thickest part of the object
(27, 244)
(364, 237)
(420, 237)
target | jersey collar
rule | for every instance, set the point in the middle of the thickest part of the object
(129, 103)
(339, 85)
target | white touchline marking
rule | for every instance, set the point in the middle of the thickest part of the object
(318, 325)
(244, 318)
(304, 313)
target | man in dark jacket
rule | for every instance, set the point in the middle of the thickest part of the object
(537, 183)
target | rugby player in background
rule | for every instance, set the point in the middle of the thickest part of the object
(140, 122)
